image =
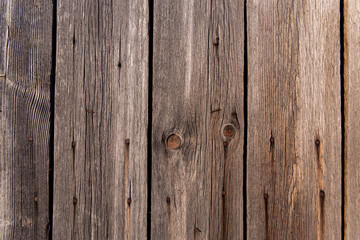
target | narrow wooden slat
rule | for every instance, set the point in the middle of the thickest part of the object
(198, 126)
(101, 96)
(25, 68)
(294, 107)
(352, 118)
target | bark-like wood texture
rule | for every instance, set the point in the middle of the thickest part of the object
(352, 119)
(294, 134)
(198, 122)
(25, 69)
(101, 93)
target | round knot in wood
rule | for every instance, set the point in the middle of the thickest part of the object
(229, 131)
(173, 141)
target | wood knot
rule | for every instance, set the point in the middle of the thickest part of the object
(216, 42)
(173, 141)
(229, 131)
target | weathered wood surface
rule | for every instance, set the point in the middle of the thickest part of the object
(197, 174)
(294, 137)
(25, 68)
(352, 118)
(101, 95)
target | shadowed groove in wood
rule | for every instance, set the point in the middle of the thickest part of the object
(343, 121)
(52, 117)
(245, 87)
(150, 119)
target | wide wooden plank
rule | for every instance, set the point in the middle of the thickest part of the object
(25, 68)
(352, 118)
(198, 122)
(101, 120)
(294, 134)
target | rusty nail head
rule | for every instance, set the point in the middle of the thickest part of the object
(30, 138)
(266, 196)
(73, 144)
(233, 113)
(225, 143)
(317, 141)
(272, 139)
(322, 194)
(75, 200)
(35, 199)
(168, 199)
(127, 141)
(223, 193)
(129, 201)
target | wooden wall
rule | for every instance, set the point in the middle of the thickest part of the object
(189, 119)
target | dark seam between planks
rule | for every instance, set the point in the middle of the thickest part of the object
(149, 132)
(52, 118)
(343, 143)
(245, 125)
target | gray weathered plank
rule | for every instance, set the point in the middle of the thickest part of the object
(101, 96)
(352, 118)
(294, 134)
(25, 68)
(197, 93)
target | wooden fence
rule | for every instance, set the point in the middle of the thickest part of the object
(180, 119)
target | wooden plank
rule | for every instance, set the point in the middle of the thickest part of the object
(198, 126)
(101, 96)
(294, 133)
(352, 118)
(25, 68)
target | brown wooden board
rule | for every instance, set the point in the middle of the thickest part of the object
(198, 122)
(101, 93)
(294, 131)
(25, 69)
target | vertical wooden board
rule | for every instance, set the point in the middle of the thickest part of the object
(352, 118)
(3, 32)
(294, 133)
(198, 126)
(25, 68)
(101, 92)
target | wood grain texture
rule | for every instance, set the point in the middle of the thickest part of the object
(25, 68)
(294, 134)
(352, 118)
(101, 95)
(197, 94)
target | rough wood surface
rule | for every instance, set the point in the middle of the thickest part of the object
(101, 95)
(294, 137)
(25, 68)
(352, 118)
(198, 126)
